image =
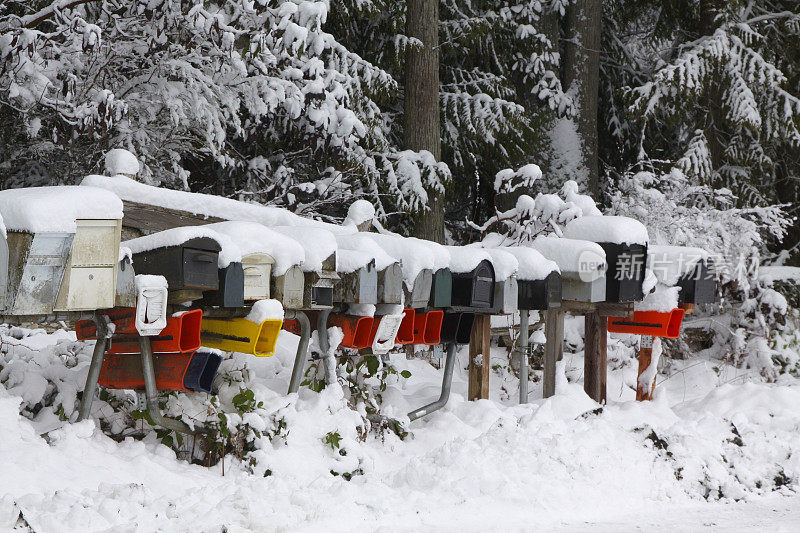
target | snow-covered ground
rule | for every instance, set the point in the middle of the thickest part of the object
(717, 449)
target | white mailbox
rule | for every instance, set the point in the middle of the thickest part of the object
(90, 279)
(257, 272)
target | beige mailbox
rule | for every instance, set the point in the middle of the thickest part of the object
(61, 249)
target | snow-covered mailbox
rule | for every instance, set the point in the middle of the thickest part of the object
(506, 283)
(319, 265)
(689, 268)
(358, 278)
(60, 249)
(418, 260)
(538, 279)
(473, 277)
(265, 254)
(582, 265)
(197, 263)
(357, 250)
(624, 241)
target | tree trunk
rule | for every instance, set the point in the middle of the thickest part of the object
(581, 77)
(421, 120)
(713, 123)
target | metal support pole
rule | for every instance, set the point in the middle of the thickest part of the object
(302, 348)
(151, 392)
(523, 356)
(90, 389)
(447, 381)
(325, 345)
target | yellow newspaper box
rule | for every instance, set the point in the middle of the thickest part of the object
(241, 335)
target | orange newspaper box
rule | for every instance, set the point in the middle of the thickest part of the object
(653, 323)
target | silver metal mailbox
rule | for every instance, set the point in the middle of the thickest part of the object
(419, 294)
(390, 284)
(47, 272)
(289, 288)
(506, 296)
(359, 286)
(126, 284)
(583, 267)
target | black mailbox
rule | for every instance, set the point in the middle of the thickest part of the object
(698, 286)
(191, 265)
(231, 287)
(475, 288)
(626, 270)
(441, 288)
(457, 328)
(540, 294)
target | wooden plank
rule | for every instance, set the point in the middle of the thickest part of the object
(479, 358)
(553, 348)
(607, 309)
(578, 308)
(150, 218)
(595, 356)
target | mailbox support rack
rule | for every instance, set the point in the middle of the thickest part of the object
(447, 382)
(302, 347)
(148, 372)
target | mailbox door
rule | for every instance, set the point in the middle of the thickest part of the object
(4, 261)
(359, 287)
(541, 294)
(289, 288)
(87, 288)
(626, 270)
(420, 293)
(257, 269)
(36, 268)
(231, 287)
(581, 291)
(510, 296)
(199, 270)
(442, 288)
(390, 284)
(699, 286)
(96, 243)
(126, 285)
(368, 285)
(483, 285)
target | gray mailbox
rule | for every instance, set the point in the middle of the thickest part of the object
(358, 281)
(582, 264)
(389, 278)
(418, 260)
(506, 284)
(289, 288)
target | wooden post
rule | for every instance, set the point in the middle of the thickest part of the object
(595, 357)
(553, 348)
(645, 357)
(479, 358)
